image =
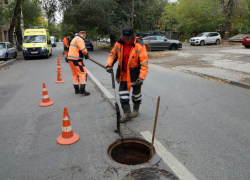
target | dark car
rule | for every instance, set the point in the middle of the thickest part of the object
(7, 50)
(246, 41)
(89, 45)
(161, 43)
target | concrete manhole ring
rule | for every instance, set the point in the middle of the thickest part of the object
(115, 148)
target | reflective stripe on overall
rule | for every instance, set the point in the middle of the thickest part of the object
(79, 72)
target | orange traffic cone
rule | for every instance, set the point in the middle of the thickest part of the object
(67, 137)
(59, 67)
(45, 101)
(58, 62)
(59, 79)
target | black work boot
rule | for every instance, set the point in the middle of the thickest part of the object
(66, 60)
(82, 90)
(135, 112)
(77, 90)
(127, 113)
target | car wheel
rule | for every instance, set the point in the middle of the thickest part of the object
(6, 57)
(51, 53)
(202, 43)
(247, 46)
(192, 44)
(47, 57)
(25, 57)
(173, 47)
(217, 42)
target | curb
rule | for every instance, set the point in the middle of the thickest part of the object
(11, 61)
(6, 63)
(235, 83)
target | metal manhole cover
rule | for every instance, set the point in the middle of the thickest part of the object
(150, 174)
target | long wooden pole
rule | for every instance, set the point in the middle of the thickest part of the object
(153, 136)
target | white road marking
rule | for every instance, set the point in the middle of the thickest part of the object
(102, 88)
(169, 159)
(166, 156)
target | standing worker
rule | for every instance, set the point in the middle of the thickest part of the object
(132, 69)
(77, 50)
(66, 46)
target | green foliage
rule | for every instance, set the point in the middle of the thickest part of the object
(54, 29)
(241, 22)
(169, 21)
(8, 11)
(1, 14)
(148, 14)
(32, 13)
(190, 17)
(107, 17)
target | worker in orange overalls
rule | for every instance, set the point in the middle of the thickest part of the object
(132, 69)
(66, 46)
(77, 50)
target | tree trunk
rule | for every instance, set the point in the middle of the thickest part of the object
(228, 11)
(19, 31)
(14, 20)
(112, 40)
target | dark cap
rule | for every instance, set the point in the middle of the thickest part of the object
(127, 33)
(65, 35)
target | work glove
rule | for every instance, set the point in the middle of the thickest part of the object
(87, 56)
(139, 82)
(109, 69)
(117, 80)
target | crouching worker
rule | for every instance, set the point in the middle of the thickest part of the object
(132, 69)
(77, 51)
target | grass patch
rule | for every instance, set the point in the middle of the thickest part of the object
(104, 46)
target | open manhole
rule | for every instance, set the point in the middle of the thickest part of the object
(130, 151)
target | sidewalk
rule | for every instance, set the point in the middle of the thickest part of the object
(10, 61)
(223, 64)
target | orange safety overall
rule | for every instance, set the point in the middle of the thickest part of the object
(77, 50)
(66, 46)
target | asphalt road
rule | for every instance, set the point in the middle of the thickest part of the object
(203, 124)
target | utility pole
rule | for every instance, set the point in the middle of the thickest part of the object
(132, 19)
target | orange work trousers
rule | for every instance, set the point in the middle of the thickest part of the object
(66, 54)
(79, 72)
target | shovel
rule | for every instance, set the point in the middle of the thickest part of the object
(118, 114)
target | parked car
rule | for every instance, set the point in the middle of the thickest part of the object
(246, 41)
(161, 43)
(7, 50)
(53, 41)
(89, 45)
(206, 38)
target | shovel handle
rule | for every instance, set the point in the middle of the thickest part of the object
(153, 137)
(113, 79)
(97, 63)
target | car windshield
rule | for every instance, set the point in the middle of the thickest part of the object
(2, 45)
(34, 39)
(202, 35)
